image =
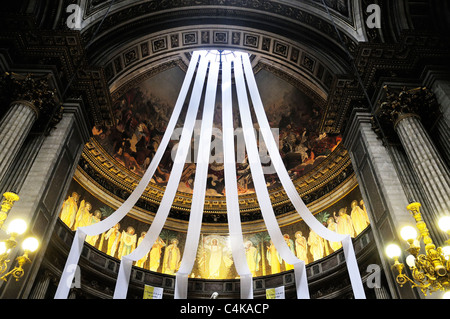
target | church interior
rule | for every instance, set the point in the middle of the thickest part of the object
(357, 97)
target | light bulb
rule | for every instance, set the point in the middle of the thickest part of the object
(17, 226)
(411, 261)
(30, 244)
(444, 223)
(408, 233)
(393, 250)
(446, 295)
(446, 252)
(2, 248)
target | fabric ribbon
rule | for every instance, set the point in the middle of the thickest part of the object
(231, 187)
(261, 190)
(155, 228)
(201, 175)
(292, 193)
(68, 273)
(244, 77)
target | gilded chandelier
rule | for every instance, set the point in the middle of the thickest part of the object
(15, 228)
(430, 271)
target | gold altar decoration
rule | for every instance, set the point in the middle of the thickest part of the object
(430, 271)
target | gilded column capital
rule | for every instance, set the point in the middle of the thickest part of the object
(34, 92)
(30, 90)
(418, 102)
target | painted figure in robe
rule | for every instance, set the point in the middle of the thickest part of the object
(331, 225)
(216, 259)
(69, 209)
(253, 257)
(141, 262)
(94, 218)
(290, 244)
(172, 258)
(128, 241)
(344, 223)
(359, 218)
(155, 254)
(113, 239)
(274, 258)
(316, 245)
(301, 247)
(83, 214)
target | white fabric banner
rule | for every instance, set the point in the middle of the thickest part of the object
(231, 187)
(98, 228)
(289, 187)
(261, 190)
(201, 175)
(154, 230)
(195, 220)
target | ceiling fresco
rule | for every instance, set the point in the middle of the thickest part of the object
(143, 111)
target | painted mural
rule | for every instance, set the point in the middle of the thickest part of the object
(214, 259)
(142, 114)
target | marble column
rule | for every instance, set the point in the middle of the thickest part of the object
(441, 130)
(43, 189)
(32, 101)
(406, 111)
(41, 287)
(426, 162)
(14, 129)
(381, 190)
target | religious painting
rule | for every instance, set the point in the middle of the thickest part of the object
(213, 257)
(143, 111)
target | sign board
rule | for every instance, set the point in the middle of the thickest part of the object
(275, 293)
(151, 292)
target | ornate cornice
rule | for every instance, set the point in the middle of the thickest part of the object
(62, 54)
(380, 63)
(117, 181)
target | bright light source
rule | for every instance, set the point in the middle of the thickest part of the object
(393, 250)
(30, 244)
(444, 223)
(17, 226)
(411, 261)
(408, 233)
(2, 248)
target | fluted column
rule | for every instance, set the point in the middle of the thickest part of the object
(442, 136)
(406, 111)
(14, 129)
(426, 162)
(31, 100)
(441, 130)
(41, 287)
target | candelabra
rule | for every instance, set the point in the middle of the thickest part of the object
(15, 228)
(430, 271)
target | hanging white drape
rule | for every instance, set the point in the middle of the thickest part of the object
(184, 144)
(244, 78)
(201, 175)
(289, 187)
(231, 187)
(98, 228)
(259, 183)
